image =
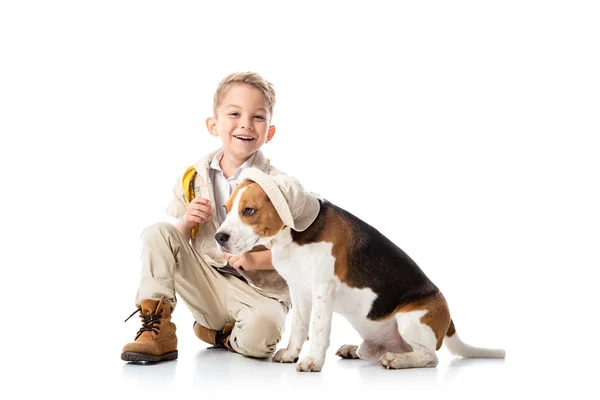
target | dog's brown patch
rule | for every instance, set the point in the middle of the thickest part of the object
(339, 232)
(266, 221)
(437, 316)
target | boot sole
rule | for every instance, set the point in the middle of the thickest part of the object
(145, 357)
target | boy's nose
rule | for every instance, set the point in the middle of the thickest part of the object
(221, 238)
(247, 124)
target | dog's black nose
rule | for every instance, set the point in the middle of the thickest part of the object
(222, 238)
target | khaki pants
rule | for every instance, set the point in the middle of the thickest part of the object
(170, 265)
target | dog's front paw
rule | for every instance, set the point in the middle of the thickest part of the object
(310, 364)
(347, 351)
(286, 356)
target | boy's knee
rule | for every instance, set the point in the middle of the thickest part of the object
(158, 231)
(257, 336)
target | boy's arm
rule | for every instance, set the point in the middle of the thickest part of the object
(184, 228)
(261, 260)
(251, 261)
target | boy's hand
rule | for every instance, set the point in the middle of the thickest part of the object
(198, 212)
(242, 261)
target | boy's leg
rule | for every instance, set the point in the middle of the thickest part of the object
(170, 264)
(259, 320)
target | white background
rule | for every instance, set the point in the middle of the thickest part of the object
(465, 131)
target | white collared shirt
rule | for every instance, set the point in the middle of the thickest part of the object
(223, 187)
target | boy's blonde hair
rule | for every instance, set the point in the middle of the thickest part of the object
(249, 78)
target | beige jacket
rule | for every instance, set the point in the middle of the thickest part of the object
(269, 282)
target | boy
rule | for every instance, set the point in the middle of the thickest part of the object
(238, 302)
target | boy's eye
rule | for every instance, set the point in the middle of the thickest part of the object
(248, 212)
(234, 114)
(259, 117)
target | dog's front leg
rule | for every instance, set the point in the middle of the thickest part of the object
(323, 300)
(300, 321)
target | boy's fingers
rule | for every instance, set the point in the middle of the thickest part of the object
(199, 211)
(200, 207)
(199, 216)
(197, 220)
(237, 264)
(200, 200)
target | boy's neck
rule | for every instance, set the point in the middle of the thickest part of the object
(229, 164)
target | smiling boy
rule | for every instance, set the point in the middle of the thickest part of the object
(238, 302)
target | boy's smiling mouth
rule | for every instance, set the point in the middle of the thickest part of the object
(244, 138)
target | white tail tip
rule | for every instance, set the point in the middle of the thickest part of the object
(459, 348)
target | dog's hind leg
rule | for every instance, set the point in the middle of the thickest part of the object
(423, 326)
(421, 339)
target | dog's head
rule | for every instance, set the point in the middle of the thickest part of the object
(251, 220)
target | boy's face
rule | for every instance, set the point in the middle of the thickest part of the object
(242, 122)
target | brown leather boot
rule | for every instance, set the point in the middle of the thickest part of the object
(218, 339)
(156, 340)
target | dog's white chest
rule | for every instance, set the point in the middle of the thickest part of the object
(303, 266)
(307, 266)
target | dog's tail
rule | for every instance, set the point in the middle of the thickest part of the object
(459, 348)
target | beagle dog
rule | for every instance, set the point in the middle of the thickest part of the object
(340, 263)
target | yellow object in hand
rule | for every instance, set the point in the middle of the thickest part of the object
(188, 190)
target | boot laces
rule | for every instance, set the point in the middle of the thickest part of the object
(150, 322)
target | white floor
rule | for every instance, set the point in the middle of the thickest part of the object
(221, 373)
(88, 366)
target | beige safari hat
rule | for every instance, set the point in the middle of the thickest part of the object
(297, 208)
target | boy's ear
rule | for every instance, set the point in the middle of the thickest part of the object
(211, 125)
(270, 133)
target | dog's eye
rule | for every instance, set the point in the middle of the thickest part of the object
(225, 209)
(248, 212)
